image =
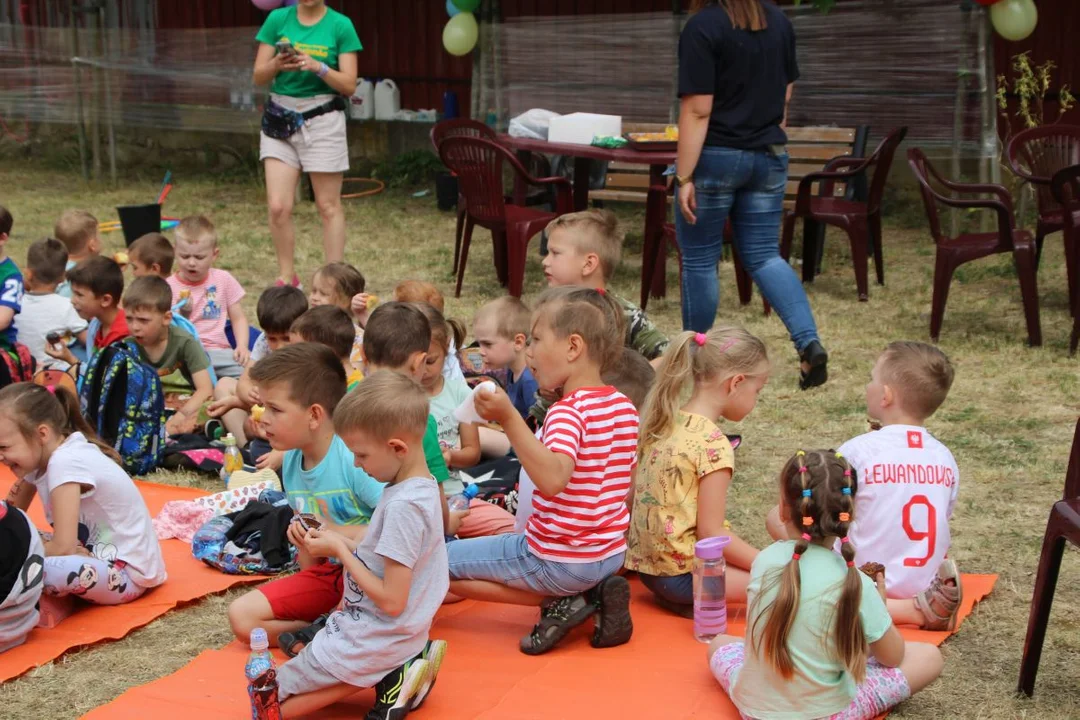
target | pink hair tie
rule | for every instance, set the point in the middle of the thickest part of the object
(806, 537)
(601, 291)
(701, 339)
(51, 389)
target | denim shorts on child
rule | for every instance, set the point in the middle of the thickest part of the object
(320, 145)
(507, 560)
(224, 363)
(303, 674)
(883, 688)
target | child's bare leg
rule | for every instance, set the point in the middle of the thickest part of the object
(309, 702)
(493, 443)
(922, 664)
(234, 419)
(494, 592)
(904, 612)
(252, 610)
(735, 582)
(718, 642)
(778, 530)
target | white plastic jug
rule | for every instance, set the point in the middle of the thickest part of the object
(362, 102)
(387, 99)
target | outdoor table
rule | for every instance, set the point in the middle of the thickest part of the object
(656, 198)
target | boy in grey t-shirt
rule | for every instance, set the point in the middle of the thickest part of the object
(395, 577)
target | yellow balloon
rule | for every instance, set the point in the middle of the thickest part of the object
(1014, 19)
(460, 34)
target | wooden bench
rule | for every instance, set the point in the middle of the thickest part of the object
(809, 149)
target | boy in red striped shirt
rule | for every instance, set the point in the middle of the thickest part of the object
(581, 463)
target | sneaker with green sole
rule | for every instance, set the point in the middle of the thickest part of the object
(396, 693)
(433, 653)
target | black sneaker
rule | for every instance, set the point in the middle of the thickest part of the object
(558, 616)
(433, 653)
(611, 598)
(395, 694)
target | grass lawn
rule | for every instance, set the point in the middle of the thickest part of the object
(1008, 420)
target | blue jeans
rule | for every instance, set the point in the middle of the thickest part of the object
(678, 589)
(507, 560)
(749, 185)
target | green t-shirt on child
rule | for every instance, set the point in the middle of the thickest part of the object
(324, 41)
(183, 357)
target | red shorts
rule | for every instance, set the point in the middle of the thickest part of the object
(307, 594)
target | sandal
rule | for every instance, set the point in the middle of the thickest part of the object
(613, 623)
(940, 603)
(558, 616)
(815, 356)
(288, 641)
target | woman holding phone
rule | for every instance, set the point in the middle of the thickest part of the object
(307, 55)
(737, 68)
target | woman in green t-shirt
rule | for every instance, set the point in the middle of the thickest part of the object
(307, 55)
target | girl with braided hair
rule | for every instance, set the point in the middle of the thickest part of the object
(820, 642)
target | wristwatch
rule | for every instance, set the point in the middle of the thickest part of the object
(684, 179)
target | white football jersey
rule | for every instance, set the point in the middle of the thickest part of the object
(907, 485)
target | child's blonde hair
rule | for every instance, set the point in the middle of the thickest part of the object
(346, 279)
(721, 353)
(76, 228)
(194, 229)
(418, 291)
(384, 405)
(30, 405)
(588, 313)
(443, 329)
(818, 490)
(593, 231)
(920, 373)
(512, 316)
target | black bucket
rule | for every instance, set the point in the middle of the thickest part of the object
(446, 191)
(137, 220)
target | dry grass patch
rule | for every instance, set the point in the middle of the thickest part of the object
(1009, 418)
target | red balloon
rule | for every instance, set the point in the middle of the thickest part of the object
(987, 2)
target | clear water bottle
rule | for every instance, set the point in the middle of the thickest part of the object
(460, 502)
(262, 679)
(233, 460)
(710, 600)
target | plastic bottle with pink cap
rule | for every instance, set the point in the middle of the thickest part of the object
(710, 600)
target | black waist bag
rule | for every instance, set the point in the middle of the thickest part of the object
(282, 123)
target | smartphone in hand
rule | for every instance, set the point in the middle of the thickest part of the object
(285, 48)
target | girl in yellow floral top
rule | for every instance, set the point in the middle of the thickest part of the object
(685, 461)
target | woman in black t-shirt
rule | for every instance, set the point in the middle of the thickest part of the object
(736, 70)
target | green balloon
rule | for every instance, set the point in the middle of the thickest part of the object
(466, 5)
(1014, 19)
(460, 34)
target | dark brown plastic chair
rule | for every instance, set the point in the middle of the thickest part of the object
(952, 252)
(1065, 187)
(860, 220)
(459, 127)
(1035, 155)
(479, 163)
(1063, 525)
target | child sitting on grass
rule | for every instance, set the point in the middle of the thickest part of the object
(819, 640)
(44, 311)
(395, 576)
(11, 286)
(331, 326)
(299, 387)
(151, 254)
(103, 548)
(78, 230)
(213, 296)
(179, 359)
(341, 285)
(418, 291)
(908, 484)
(574, 543)
(460, 442)
(685, 462)
(97, 284)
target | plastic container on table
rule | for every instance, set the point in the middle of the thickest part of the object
(710, 587)
(387, 100)
(362, 102)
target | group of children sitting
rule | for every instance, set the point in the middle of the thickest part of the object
(353, 402)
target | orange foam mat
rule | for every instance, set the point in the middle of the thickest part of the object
(188, 580)
(661, 672)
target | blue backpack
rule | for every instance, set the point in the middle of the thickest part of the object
(121, 397)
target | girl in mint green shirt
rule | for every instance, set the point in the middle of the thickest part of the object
(820, 642)
(319, 68)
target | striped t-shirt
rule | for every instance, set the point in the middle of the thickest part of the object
(587, 521)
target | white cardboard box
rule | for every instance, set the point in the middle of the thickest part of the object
(581, 128)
